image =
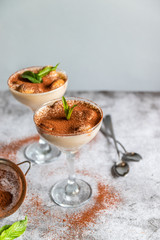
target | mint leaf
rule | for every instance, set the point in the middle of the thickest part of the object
(55, 67)
(37, 77)
(33, 77)
(68, 111)
(4, 228)
(65, 103)
(15, 230)
(46, 70)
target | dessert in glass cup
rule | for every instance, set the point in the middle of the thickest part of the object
(33, 87)
(69, 124)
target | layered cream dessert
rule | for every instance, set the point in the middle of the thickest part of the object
(81, 128)
(33, 94)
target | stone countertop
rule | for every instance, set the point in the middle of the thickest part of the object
(123, 208)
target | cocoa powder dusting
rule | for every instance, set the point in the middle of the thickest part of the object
(70, 222)
(51, 81)
(5, 199)
(9, 151)
(106, 198)
(51, 119)
(34, 208)
(58, 223)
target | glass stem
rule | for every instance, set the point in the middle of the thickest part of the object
(72, 187)
(45, 147)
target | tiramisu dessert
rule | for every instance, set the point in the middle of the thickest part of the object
(69, 124)
(33, 87)
(79, 129)
(10, 190)
(36, 85)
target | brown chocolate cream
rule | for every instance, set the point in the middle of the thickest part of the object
(10, 189)
(52, 81)
(52, 118)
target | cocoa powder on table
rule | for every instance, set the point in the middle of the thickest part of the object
(75, 222)
(106, 198)
(9, 150)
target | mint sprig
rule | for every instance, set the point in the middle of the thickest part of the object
(37, 77)
(10, 232)
(68, 111)
(46, 70)
(32, 77)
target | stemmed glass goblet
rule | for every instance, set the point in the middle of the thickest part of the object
(71, 192)
(38, 152)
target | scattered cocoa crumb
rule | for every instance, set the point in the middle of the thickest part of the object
(9, 151)
(58, 223)
(106, 198)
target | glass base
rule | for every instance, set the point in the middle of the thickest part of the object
(36, 154)
(59, 196)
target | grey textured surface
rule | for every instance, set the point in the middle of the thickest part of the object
(136, 119)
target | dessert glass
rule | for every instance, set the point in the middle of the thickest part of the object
(70, 192)
(39, 152)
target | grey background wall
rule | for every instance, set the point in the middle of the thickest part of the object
(102, 44)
